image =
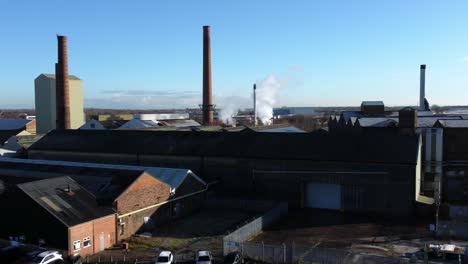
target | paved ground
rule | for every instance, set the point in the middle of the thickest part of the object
(357, 233)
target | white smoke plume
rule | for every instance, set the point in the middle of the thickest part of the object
(226, 114)
(267, 92)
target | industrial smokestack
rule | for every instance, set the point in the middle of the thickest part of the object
(422, 88)
(255, 103)
(207, 106)
(62, 86)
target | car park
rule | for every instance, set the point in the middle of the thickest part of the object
(10, 254)
(165, 257)
(233, 258)
(204, 257)
(45, 257)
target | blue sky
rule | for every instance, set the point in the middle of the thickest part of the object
(148, 54)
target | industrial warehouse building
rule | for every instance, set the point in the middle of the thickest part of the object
(85, 207)
(376, 171)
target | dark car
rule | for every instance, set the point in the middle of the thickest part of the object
(233, 258)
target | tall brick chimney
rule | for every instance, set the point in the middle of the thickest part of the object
(62, 86)
(207, 106)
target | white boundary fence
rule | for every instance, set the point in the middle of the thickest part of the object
(233, 240)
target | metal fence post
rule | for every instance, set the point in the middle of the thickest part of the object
(284, 253)
(293, 251)
(263, 251)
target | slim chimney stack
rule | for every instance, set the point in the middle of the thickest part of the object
(255, 103)
(207, 106)
(422, 88)
(62, 86)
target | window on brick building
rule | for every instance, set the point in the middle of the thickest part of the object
(86, 242)
(77, 245)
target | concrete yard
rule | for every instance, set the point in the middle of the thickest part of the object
(356, 233)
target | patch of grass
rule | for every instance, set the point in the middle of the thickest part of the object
(166, 243)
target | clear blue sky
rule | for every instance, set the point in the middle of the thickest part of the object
(133, 53)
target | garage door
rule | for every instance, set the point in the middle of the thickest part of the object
(325, 196)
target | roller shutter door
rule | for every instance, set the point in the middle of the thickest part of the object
(324, 196)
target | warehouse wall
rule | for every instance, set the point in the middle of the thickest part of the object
(390, 190)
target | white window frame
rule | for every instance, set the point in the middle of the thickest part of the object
(86, 239)
(77, 242)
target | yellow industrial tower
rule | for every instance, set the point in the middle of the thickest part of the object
(44, 86)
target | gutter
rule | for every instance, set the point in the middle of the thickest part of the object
(162, 203)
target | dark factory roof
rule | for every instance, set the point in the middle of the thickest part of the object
(13, 124)
(6, 134)
(382, 146)
(423, 121)
(463, 123)
(65, 199)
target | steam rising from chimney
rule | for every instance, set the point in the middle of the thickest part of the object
(266, 96)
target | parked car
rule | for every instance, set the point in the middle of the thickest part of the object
(165, 257)
(45, 257)
(233, 258)
(204, 257)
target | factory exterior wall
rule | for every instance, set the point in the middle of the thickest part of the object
(455, 144)
(31, 127)
(76, 104)
(101, 233)
(45, 103)
(144, 192)
(390, 190)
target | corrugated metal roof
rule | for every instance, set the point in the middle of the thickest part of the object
(463, 123)
(180, 123)
(102, 179)
(377, 121)
(287, 129)
(423, 121)
(71, 208)
(137, 124)
(13, 124)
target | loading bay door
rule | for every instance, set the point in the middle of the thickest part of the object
(324, 196)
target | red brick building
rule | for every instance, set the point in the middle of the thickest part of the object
(87, 207)
(90, 228)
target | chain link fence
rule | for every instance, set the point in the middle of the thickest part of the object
(310, 255)
(254, 227)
